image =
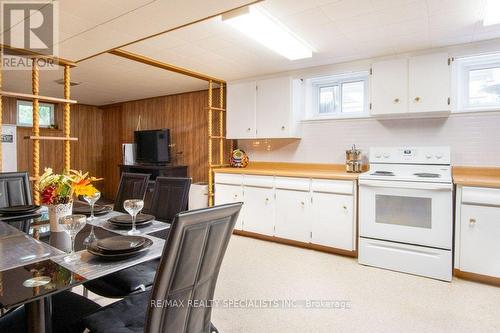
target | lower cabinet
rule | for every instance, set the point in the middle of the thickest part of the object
(229, 194)
(259, 210)
(293, 215)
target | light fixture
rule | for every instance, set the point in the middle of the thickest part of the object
(259, 25)
(491, 12)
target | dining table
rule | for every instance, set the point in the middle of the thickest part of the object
(34, 263)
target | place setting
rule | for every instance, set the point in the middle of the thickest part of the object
(134, 220)
(18, 210)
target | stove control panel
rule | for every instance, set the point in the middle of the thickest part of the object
(410, 155)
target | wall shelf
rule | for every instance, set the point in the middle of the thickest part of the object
(53, 138)
(41, 98)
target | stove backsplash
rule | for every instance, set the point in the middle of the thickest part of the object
(474, 139)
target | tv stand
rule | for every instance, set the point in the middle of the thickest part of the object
(156, 170)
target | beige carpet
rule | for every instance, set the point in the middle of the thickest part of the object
(380, 300)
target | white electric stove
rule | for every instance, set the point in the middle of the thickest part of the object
(406, 211)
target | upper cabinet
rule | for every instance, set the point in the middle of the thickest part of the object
(263, 109)
(420, 84)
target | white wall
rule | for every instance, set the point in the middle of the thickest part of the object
(474, 138)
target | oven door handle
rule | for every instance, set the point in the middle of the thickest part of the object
(407, 185)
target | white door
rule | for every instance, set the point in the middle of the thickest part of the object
(293, 220)
(228, 194)
(480, 240)
(389, 87)
(333, 220)
(241, 102)
(409, 212)
(429, 85)
(274, 109)
(259, 210)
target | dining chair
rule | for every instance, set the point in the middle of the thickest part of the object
(170, 197)
(131, 186)
(15, 189)
(188, 272)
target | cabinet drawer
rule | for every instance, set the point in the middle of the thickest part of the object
(481, 196)
(332, 186)
(290, 183)
(228, 178)
(259, 181)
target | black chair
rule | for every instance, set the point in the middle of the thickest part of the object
(170, 197)
(132, 186)
(188, 272)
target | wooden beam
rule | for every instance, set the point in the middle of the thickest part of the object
(30, 54)
(53, 138)
(40, 98)
(162, 65)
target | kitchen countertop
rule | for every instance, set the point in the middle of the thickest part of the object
(476, 176)
(303, 170)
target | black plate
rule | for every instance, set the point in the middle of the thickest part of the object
(119, 256)
(86, 210)
(127, 219)
(24, 209)
(120, 243)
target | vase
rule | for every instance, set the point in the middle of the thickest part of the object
(56, 212)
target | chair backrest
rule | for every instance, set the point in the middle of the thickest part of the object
(189, 268)
(170, 197)
(15, 189)
(132, 186)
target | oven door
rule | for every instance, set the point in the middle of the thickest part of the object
(406, 212)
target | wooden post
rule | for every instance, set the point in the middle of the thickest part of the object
(210, 123)
(221, 124)
(35, 81)
(67, 120)
(1, 115)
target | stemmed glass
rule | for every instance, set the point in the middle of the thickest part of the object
(72, 224)
(91, 200)
(133, 207)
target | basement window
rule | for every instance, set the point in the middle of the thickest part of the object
(478, 83)
(339, 96)
(25, 114)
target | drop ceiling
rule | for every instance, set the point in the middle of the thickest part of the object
(338, 30)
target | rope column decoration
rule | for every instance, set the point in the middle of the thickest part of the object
(210, 124)
(67, 120)
(221, 124)
(35, 81)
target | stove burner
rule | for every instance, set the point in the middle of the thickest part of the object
(383, 173)
(427, 175)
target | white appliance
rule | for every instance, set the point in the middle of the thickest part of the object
(128, 153)
(9, 148)
(406, 211)
(198, 196)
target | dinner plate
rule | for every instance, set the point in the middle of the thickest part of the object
(127, 219)
(120, 243)
(22, 209)
(92, 249)
(86, 210)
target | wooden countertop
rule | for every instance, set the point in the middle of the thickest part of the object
(476, 176)
(302, 170)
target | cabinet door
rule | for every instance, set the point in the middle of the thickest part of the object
(292, 215)
(389, 87)
(241, 102)
(333, 221)
(228, 194)
(479, 240)
(259, 210)
(429, 83)
(274, 109)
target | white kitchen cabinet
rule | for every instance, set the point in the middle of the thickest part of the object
(478, 231)
(389, 87)
(259, 210)
(429, 83)
(225, 194)
(268, 108)
(241, 110)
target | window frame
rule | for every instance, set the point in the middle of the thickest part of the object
(464, 66)
(30, 103)
(338, 80)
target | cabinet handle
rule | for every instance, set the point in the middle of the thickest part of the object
(302, 203)
(235, 196)
(282, 128)
(396, 100)
(267, 200)
(417, 99)
(472, 222)
(249, 129)
(345, 207)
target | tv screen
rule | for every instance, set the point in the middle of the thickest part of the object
(152, 146)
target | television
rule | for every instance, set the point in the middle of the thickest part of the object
(152, 146)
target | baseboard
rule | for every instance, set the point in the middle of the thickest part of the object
(491, 280)
(317, 247)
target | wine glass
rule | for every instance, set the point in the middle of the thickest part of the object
(133, 207)
(72, 224)
(91, 200)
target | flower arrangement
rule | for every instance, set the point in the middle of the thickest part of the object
(58, 189)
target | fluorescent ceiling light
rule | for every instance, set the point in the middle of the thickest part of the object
(491, 12)
(259, 25)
